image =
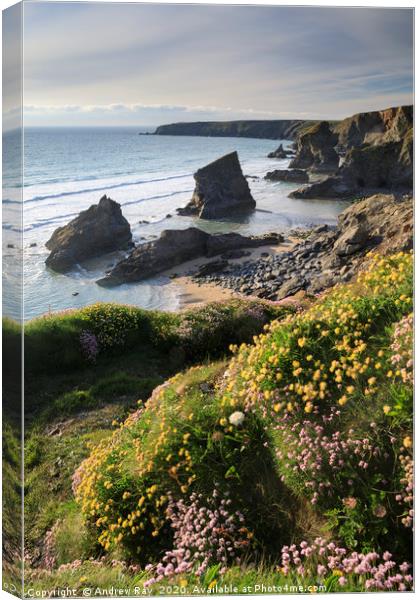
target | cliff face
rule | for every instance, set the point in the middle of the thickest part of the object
(272, 130)
(375, 127)
(315, 149)
(388, 125)
(378, 155)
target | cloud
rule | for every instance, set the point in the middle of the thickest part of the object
(145, 58)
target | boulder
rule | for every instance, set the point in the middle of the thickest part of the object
(315, 149)
(352, 240)
(331, 187)
(224, 242)
(97, 230)
(175, 247)
(288, 175)
(172, 248)
(221, 190)
(214, 266)
(388, 220)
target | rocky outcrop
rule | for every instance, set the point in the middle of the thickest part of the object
(315, 149)
(280, 152)
(375, 127)
(226, 242)
(289, 175)
(375, 166)
(367, 169)
(283, 129)
(221, 190)
(328, 256)
(332, 187)
(176, 246)
(97, 230)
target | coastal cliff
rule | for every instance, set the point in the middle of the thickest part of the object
(365, 127)
(375, 127)
(284, 129)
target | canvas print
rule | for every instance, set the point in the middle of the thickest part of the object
(207, 299)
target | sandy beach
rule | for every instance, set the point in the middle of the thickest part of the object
(194, 293)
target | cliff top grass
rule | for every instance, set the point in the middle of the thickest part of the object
(312, 418)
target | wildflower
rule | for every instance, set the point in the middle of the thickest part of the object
(379, 511)
(407, 442)
(237, 418)
(386, 409)
(350, 502)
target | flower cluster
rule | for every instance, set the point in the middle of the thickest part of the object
(405, 496)
(48, 551)
(402, 348)
(327, 354)
(218, 324)
(328, 558)
(327, 463)
(112, 322)
(205, 532)
(89, 344)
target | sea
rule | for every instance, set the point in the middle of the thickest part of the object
(68, 169)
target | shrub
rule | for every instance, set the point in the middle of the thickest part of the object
(208, 331)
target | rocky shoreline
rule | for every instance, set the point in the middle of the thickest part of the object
(353, 159)
(328, 255)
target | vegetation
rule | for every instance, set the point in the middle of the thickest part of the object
(294, 455)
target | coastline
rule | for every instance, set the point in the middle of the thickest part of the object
(195, 293)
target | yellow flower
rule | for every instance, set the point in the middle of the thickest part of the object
(301, 342)
(212, 584)
(223, 422)
(407, 442)
(342, 400)
(386, 409)
(350, 389)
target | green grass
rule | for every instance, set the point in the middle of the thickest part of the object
(71, 403)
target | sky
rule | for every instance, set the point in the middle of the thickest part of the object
(145, 64)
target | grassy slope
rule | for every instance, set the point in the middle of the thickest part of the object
(199, 402)
(71, 403)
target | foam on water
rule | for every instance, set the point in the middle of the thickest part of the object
(67, 170)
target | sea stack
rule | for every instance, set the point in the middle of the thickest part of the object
(221, 190)
(97, 230)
